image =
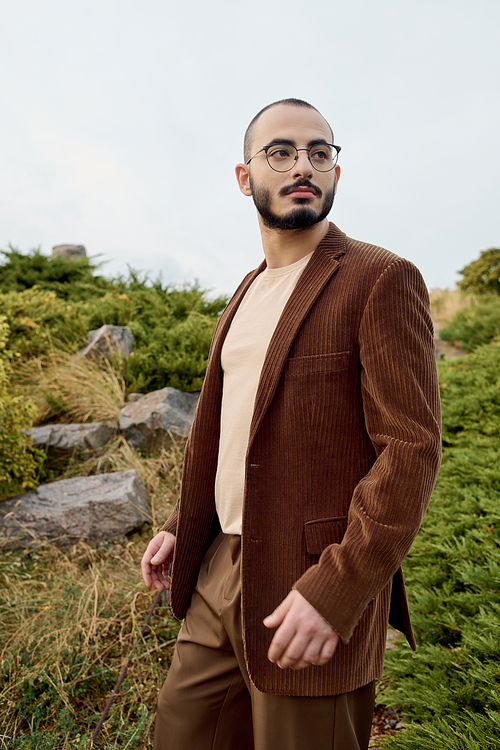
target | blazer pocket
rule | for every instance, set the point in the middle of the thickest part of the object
(316, 363)
(323, 532)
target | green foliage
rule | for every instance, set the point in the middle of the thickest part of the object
(39, 320)
(19, 461)
(450, 685)
(482, 276)
(70, 279)
(173, 327)
(475, 325)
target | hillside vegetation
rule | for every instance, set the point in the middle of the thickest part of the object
(70, 618)
(478, 322)
(51, 304)
(449, 687)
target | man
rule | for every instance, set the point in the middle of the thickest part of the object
(309, 466)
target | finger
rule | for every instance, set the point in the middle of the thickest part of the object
(279, 614)
(281, 640)
(312, 652)
(160, 577)
(328, 649)
(147, 570)
(294, 656)
(159, 549)
(308, 646)
(162, 553)
(301, 654)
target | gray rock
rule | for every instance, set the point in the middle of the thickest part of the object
(66, 437)
(148, 420)
(69, 251)
(133, 397)
(108, 339)
(101, 506)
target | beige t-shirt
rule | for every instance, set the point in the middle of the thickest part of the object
(242, 358)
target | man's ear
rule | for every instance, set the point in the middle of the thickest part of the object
(337, 177)
(243, 177)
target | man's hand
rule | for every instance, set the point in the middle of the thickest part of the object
(303, 636)
(156, 561)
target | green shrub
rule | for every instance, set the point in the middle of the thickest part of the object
(474, 325)
(40, 321)
(449, 687)
(482, 276)
(70, 279)
(19, 461)
(172, 326)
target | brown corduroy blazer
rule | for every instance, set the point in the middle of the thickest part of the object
(343, 455)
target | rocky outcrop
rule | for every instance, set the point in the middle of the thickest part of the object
(148, 420)
(64, 438)
(96, 507)
(69, 251)
(108, 339)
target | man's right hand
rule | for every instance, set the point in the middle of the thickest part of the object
(157, 559)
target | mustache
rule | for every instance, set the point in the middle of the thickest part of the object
(301, 183)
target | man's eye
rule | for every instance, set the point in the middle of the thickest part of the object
(320, 155)
(279, 153)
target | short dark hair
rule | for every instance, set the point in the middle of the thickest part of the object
(247, 143)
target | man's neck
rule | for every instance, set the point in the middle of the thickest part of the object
(284, 247)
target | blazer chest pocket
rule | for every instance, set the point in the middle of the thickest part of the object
(323, 532)
(316, 363)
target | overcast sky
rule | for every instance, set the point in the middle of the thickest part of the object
(121, 123)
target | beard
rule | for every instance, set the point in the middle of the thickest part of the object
(301, 216)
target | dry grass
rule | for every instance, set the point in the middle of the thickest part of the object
(72, 388)
(69, 622)
(445, 303)
(71, 618)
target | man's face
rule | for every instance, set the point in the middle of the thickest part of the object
(303, 196)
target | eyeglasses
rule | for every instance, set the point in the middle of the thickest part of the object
(282, 156)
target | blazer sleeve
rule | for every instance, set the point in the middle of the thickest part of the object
(400, 395)
(171, 522)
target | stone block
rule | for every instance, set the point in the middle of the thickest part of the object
(69, 251)
(64, 438)
(107, 339)
(147, 421)
(95, 507)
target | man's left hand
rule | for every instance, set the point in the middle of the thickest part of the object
(303, 637)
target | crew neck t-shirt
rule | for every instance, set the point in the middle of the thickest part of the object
(242, 357)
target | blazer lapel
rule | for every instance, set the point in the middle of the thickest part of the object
(323, 264)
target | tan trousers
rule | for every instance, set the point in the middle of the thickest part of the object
(208, 701)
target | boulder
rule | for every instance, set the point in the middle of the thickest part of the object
(108, 339)
(64, 438)
(96, 507)
(148, 420)
(69, 251)
(133, 397)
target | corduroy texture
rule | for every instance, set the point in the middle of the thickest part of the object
(343, 455)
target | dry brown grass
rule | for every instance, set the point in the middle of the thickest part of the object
(71, 618)
(445, 303)
(72, 388)
(69, 622)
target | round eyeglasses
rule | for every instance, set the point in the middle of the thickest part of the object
(282, 156)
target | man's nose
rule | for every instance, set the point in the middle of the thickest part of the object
(302, 167)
